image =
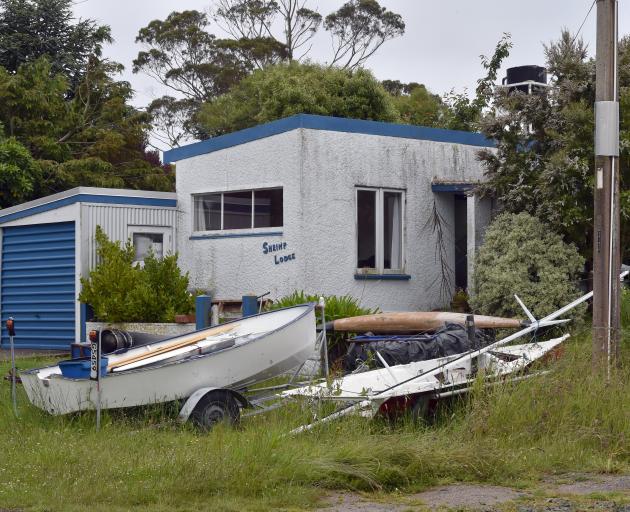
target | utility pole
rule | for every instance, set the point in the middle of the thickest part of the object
(606, 233)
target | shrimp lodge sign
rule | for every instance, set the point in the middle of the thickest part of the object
(279, 251)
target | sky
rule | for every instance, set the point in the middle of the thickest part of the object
(440, 48)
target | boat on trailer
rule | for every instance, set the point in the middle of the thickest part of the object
(220, 360)
(393, 389)
(411, 386)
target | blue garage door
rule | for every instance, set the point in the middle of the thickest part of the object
(38, 285)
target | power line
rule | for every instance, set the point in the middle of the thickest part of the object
(583, 22)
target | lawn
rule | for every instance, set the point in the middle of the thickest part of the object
(568, 420)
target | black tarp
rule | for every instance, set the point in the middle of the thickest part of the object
(449, 340)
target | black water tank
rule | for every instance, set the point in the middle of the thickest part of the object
(521, 74)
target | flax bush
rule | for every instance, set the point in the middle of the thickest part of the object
(523, 256)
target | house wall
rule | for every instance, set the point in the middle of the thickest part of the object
(230, 265)
(334, 164)
(319, 171)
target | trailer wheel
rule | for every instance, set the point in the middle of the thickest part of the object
(214, 408)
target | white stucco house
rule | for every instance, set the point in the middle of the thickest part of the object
(331, 206)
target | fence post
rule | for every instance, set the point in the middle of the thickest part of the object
(250, 305)
(203, 304)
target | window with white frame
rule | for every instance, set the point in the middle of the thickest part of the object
(380, 230)
(150, 239)
(243, 209)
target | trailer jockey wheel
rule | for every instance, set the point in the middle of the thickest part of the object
(215, 407)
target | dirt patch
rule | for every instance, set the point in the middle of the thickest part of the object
(494, 498)
(565, 505)
(467, 496)
(596, 484)
(349, 502)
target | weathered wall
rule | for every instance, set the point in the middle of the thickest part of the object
(230, 265)
(319, 171)
(334, 163)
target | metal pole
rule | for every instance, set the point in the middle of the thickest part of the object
(322, 305)
(470, 331)
(11, 330)
(606, 228)
(98, 382)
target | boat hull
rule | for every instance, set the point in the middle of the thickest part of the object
(400, 380)
(236, 367)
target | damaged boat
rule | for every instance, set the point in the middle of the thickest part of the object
(411, 386)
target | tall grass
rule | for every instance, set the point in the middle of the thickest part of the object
(566, 420)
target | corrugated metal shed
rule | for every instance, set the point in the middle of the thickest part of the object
(48, 245)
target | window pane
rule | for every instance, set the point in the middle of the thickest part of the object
(268, 208)
(366, 228)
(144, 243)
(392, 230)
(207, 212)
(237, 210)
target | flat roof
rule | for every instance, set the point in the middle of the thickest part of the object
(326, 123)
(89, 195)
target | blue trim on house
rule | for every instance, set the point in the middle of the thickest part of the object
(452, 187)
(88, 198)
(235, 235)
(382, 277)
(334, 124)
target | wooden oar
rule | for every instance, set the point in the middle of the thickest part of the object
(175, 344)
(417, 321)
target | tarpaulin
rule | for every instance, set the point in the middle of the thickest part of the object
(450, 340)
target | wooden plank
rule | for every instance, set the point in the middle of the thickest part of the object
(176, 343)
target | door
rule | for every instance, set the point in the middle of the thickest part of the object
(37, 280)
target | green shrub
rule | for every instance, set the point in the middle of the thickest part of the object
(523, 256)
(120, 291)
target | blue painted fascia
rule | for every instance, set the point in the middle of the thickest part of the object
(452, 187)
(88, 198)
(382, 277)
(327, 123)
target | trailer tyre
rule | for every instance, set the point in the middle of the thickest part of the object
(214, 408)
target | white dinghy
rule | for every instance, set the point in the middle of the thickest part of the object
(228, 357)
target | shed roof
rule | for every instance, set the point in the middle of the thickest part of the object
(327, 123)
(89, 195)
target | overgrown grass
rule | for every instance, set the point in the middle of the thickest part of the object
(564, 421)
